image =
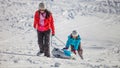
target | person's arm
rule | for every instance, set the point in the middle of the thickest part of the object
(68, 43)
(78, 41)
(52, 25)
(36, 19)
(77, 44)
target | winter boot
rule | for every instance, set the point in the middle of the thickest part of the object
(39, 53)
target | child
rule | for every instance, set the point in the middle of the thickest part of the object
(74, 41)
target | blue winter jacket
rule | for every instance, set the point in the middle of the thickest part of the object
(73, 42)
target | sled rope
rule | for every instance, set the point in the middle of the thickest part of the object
(59, 40)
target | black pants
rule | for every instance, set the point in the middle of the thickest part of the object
(44, 42)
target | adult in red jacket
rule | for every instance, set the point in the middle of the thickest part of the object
(43, 22)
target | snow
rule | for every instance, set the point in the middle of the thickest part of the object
(98, 25)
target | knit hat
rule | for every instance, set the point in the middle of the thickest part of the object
(74, 33)
(41, 6)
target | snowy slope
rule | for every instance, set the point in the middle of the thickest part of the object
(97, 21)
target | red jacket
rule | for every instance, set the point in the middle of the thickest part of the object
(48, 23)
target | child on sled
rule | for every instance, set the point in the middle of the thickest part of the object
(74, 41)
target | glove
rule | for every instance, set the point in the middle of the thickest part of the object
(65, 48)
(74, 51)
(53, 34)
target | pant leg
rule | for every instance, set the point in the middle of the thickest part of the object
(47, 43)
(80, 51)
(40, 41)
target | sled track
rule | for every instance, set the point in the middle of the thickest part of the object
(11, 53)
(29, 55)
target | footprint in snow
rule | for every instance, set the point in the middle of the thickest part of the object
(57, 64)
